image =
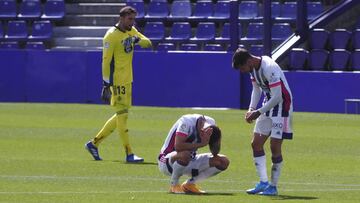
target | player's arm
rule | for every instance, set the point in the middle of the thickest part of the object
(108, 52)
(275, 99)
(182, 145)
(107, 57)
(255, 97)
(143, 41)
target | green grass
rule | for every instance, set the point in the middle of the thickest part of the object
(43, 158)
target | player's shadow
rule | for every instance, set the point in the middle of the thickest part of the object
(141, 163)
(290, 197)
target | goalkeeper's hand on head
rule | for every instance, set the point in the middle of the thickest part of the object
(106, 92)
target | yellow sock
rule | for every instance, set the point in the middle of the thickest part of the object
(106, 130)
(123, 131)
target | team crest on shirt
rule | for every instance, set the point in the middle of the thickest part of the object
(183, 127)
(128, 44)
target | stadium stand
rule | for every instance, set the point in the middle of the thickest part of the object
(356, 39)
(157, 11)
(202, 10)
(29, 10)
(298, 58)
(338, 59)
(180, 32)
(213, 47)
(180, 10)
(166, 47)
(248, 10)
(16, 30)
(355, 60)
(8, 9)
(155, 31)
(257, 49)
(35, 46)
(204, 32)
(54, 10)
(318, 38)
(41, 30)
(189, 47)
(339, 39)
(318, 59)
(139, 6)
(221, 11)
(9, 45)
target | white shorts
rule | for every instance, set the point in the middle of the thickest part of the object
(199, 163)
(276, 127)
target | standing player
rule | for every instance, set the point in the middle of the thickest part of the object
(178, 155)
(273, 119)
(118, 49)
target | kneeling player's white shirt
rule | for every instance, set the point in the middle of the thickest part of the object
(185, 126)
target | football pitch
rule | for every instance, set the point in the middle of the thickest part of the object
(43, 157)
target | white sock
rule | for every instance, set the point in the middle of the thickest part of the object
(204, 175)
(178, 170)
(260, 164)
(275, 173)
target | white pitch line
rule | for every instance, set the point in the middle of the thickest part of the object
(14, 177)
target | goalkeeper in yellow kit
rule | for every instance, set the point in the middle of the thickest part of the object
(118, 49)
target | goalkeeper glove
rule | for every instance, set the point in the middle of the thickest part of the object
(106, 92)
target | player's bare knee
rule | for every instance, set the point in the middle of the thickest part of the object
(256, 146)
(224, 163)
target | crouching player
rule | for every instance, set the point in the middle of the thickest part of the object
(178, 155)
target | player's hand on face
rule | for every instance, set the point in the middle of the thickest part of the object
(205, 134)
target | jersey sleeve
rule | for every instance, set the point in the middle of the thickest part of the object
(107, 57)
(144, 41)
(183, 129)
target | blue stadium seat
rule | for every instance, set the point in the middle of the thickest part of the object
(35, 45)
(221, 11)
(204, 32)
(213, 47)
(139, 6)
(298, 58)
(254, 32)
(157, 11)
(275, 9)
(339, 38)
(180, 10)
(203, 10)
(357, 26)
(29, 10)
(54, 10)
(314, 9)
(338, 59)
(257, 49)
(318, 38)
(155, 31)
(248, 10)
(9, 45)
(318, 59)
(281, 31)
(7, 9)
(189, 47)
(288, 11)
(41, 30)
(180, 32)
(356, 39)
(225, 33)
(16, 30)
(355, 60)
(166, 47)
(1, 31)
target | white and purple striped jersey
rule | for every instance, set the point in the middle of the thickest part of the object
(269, 77)
(185, 126)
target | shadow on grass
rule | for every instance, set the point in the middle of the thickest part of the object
(141, 163)
(290, 197)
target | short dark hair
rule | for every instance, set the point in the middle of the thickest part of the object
(127, 10)
(240, 57)
(216, 134)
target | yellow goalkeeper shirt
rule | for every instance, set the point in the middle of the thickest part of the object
(118, 49)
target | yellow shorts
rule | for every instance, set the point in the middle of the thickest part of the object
(121, 96)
